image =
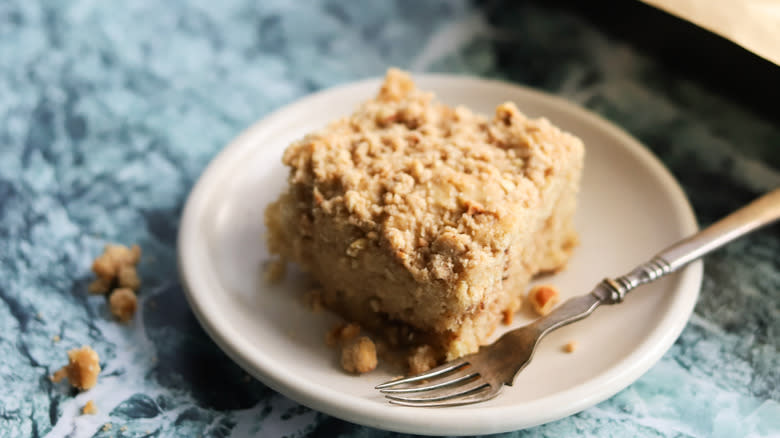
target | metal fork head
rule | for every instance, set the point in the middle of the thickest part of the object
(472, 379)
(454, 383)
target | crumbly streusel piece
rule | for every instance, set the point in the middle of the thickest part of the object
(82, 369)
(543, 298)
(89, 408)
(359, 356)
(123, 304)
(422, 359)
(413, 212)
(341, 333)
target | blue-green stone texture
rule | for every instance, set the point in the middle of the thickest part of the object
(110, 110)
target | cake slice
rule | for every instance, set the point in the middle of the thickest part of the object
(425, 221)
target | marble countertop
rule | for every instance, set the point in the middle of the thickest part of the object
(109, 111)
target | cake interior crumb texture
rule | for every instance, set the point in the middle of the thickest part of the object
(426, 221)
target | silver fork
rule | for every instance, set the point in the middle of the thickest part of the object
(481, 376)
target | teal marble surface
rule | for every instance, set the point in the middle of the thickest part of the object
(109, 111)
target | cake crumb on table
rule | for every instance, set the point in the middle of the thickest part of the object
(342, 332)
(543, 298)
(127, 277)
(360, 356)
(89, 408)
(123, 304)
(106, 427)
(107, 265)
(116, 275)
(82, 369)
(570, 347)
(100, 286)
(422, 359)
(56, 338)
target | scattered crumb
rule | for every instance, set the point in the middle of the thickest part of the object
(106, 427)
(509, 316)
(127, 277)
(341, 333)
(82, 369)
(422, 359)
(116, 268)
(275, 270)
(107, 264)
(56, 338)
(123, 304)
(123, 428)
(570, 347)
(89, 408)
(543, 298)
(359, 356)
(313, 300)
(100, 286)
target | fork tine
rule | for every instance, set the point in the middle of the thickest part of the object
(441, 381)
(433, 372)
(444, 393)
(460, 401)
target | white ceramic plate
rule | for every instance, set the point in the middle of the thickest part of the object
(630, 207)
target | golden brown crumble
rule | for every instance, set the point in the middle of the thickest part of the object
(116, 274)
(543, 298)
(342, 332)
(359, 356)
(422, 359)
(123, 304)
(100, 286)
(570, 347)
(89, 408)
(127, 277)
(107, 265)
(82, 369)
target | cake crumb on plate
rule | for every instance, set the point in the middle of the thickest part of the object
(543, 298)
(360, 356)
(570, 347)
(422, 359)
(342, 332)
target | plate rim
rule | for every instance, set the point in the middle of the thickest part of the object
(482, 419)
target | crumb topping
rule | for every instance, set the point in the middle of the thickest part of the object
(435, 184)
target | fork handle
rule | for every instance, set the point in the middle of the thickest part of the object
(762, 211)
